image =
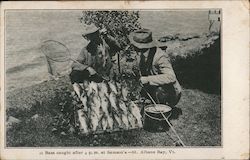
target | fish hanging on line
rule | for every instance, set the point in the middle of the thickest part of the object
(134, 109)
(107, 121)
(84, 100)
(92, 88)
(94, 105)
(113, 87)
(124, 113)
(131, 120)
(104, 104)
(83, 124)
(103, 89)
(115, 110)
(77, 89)
(124, 91)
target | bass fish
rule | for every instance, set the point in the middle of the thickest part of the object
(113, 103)
(105, 105)
(95, 113)
(83, 121)
(103, 89)
(94, 103)
(92, 88)
(124, 115)
(134, 109)
(113, 87)
(94, 120)
(84, 85)
(131, 120)
(84, 100)
(78, 89)
(124, 91)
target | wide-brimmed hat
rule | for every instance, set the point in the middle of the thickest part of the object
(142, 39)
(88, 29)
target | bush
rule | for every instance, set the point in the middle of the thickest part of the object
(199, 68)
(118, 23)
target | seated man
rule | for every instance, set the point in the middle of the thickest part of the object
(94, 61)
(157, 74)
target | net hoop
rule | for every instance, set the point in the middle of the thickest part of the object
(53, 55)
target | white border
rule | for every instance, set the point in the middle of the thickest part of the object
(235, 76)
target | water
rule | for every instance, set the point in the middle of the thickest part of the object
(26, 30)
(173, 22)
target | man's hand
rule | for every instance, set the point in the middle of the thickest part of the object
(91, 71)
(103, 31)
(96, 78)
(144, 80)
(136, 73)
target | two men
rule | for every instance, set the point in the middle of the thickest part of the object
(156, 72)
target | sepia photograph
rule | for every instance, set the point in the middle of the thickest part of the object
(113, 78)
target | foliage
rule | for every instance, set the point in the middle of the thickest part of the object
(118, 23)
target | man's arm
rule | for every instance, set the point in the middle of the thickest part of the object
(81, 61)
(113, 44)
(166, 73)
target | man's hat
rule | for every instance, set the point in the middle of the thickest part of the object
(88, 29)
(142, 39)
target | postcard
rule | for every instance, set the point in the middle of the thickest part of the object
(125, 80)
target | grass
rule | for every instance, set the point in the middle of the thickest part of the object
(199, 124)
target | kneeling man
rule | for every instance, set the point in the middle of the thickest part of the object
(157, 74)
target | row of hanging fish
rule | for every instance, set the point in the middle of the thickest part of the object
(106, 105)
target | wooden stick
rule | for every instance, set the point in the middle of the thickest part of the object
(118, 61)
